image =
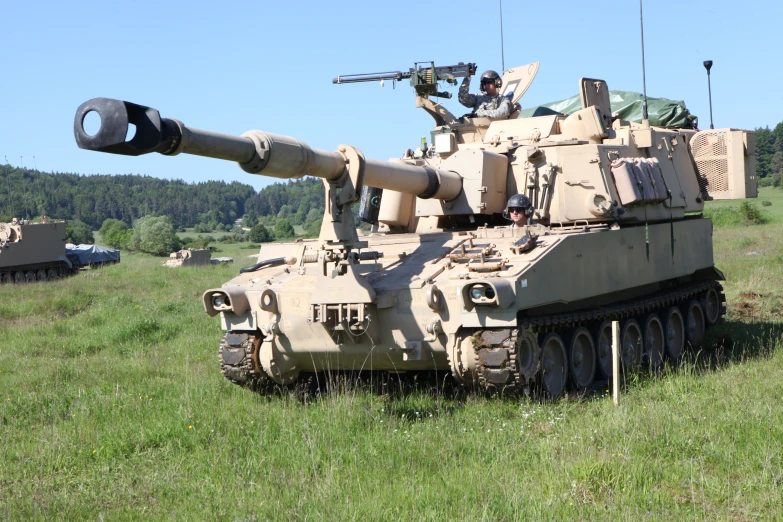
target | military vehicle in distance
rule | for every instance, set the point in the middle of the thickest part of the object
(189, 257)
(33, 252)
(445, 283)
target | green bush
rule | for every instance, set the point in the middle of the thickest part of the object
(314, 228)
(153, 234)
(284, 229)
(199, 242)
(752, 214)
(116, 233)
(724, 216)
(766, 203)
(747, 214)
(78, 232)
(259, 234)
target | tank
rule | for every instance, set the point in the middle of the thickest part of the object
(31, 252)
(189, 257)
(443, 283)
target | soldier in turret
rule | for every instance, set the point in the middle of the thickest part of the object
(518, 210)
(489, 104)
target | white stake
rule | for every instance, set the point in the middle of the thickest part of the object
(616, 362)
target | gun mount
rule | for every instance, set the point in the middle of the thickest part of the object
(618, 235)
(424, 80)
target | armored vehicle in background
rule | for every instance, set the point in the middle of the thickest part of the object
(33, 252)
(189, 257)
(445, 283)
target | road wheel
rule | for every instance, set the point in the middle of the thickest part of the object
(29, 277)
(602, 335)
(554, 365)
(654, 346)
(40, 275)
(19, 277)
(581, 358)
(712, 306)
(694, 323)
(674, 333)
(631, 345)
(52, 274)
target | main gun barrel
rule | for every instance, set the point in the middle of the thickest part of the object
(256, 152)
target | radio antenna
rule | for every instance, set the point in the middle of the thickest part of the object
(708, 66)
(644, 78)
(502, 50)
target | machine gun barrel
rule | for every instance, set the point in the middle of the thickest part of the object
(423, 73)
(372, 77)
(256, 152)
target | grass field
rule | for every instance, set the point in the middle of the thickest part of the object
(113, 408)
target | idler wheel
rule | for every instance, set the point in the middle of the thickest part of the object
(674, 333)
(581, 358)
(654, 346)
(712, 306)
(694, 323)
(631, 345)
(602, 334)
(554, 365)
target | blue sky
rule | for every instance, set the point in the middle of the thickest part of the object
(235, 66)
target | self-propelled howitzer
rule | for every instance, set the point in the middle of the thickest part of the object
(444, 283)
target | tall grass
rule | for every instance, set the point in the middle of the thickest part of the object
(112, 407)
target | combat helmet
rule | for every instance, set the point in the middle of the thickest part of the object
(491, 76)
(518, 201)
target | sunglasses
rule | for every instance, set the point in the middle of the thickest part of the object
(516, 210)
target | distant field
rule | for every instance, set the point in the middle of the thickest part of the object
(113, 408)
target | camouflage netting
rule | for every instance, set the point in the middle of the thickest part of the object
(627, 106)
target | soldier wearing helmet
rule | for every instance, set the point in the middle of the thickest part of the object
(489, 104)
(519, 210)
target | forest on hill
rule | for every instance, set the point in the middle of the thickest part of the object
(216, 205)
(769, 155)
(212, 205)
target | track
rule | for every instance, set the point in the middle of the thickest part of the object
(535, 356)
(506, 361)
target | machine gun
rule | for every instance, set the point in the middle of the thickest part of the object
(424, 77)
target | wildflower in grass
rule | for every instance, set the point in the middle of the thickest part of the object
(190, 427)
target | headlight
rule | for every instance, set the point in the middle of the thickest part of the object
(482, 293)
(220, 301)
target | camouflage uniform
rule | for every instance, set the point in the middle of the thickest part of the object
(483, 105)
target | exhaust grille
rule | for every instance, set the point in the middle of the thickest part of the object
(712, 162)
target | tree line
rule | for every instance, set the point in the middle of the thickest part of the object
(208, 206)
(769, 155)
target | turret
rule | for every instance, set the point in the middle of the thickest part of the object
(587, 167)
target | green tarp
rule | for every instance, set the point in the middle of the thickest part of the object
(627, 106)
